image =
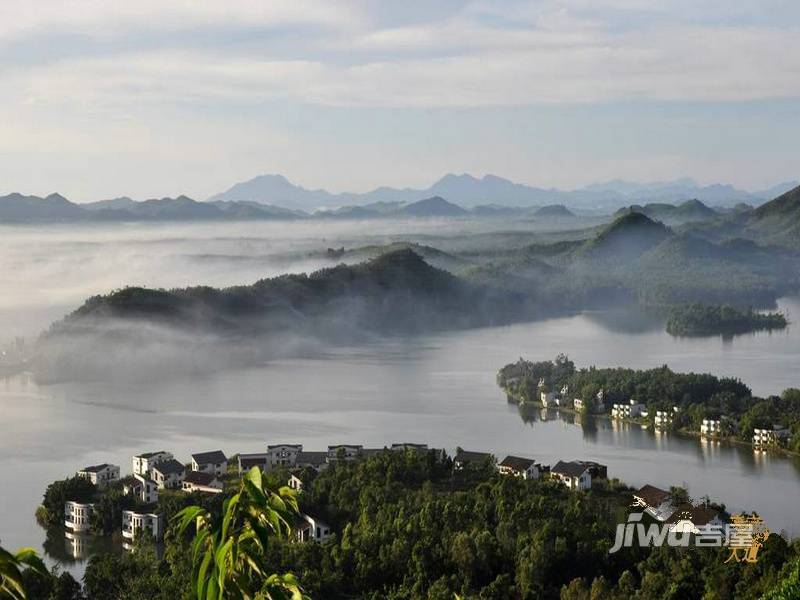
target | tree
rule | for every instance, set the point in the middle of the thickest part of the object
(11, 569)
(58, 493)
(229, 554)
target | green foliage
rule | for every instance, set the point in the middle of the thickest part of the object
(58, 493)
(700, 319)
(229, 551)
(12, 585)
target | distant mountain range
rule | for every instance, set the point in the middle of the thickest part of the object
(273, 197)
(470, 192)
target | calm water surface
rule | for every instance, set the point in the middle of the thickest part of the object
(438, 389)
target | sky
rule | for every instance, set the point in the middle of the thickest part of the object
(102, 98)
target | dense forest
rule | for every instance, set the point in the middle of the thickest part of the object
(700, 319)
(696, 396)
(409, 527)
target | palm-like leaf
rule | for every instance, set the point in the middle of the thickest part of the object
(11, 567)
(229, 554)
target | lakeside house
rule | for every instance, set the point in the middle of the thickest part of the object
(100, 475)
(711, 428)
(199, 481)
(77, 515)
(662, 419)
(283, 455)
(690, 519)
(596, 470)
(770, 438)
(655, 502)
(142, 488)
(143, 463)
(467, 458)
(169, 474)
(575, 475)
(344, 452)
(312, 529)
(295, 482)
(627, 411)
(134, 523)
(248, 461)
(317, 460)
(213, 462)
(548, 399)
(517, 466)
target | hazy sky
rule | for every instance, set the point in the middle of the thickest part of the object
(152, 98)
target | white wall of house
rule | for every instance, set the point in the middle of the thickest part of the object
(142, 465)
(217, 469)
(77, 515)
(134, 523)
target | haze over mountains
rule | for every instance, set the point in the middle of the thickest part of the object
(274, 197)
(469, 191)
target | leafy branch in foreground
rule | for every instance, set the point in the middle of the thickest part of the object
(11, 567)
(229, 554)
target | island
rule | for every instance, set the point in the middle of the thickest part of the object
(700, 404)
(698, 319)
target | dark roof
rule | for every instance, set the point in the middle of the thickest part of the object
(209, 458)
(150, 454)
(95, 468)
(287, 445)
(570, 469)
(311, 458)
(466, 456)
(247, 461)
(517, 463)
(199, 478)
(651, 495)
(698, 515)
(169, 466)
(409, 446)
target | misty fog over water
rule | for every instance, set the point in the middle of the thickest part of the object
(437, 388)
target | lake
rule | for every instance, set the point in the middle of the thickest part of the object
(437, 388)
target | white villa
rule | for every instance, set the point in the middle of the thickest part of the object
(548, 398)
(656, 502)
(663, 419)
(711, 428)
(344, 451)
(517, 466)
(627, 411)
(770, 437)
(284, 455)
(169, 474)
(689, 519)
(312, 529)
(198, 481)
(143, 488)
(143, 463)
(77, 515)
(575, 475)
(100, 475)
(213, 462)
(135, 522)
(248, 461)
(295, 483)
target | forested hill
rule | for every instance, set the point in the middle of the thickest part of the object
(397, 291)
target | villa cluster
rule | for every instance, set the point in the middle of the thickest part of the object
(681, 517)
(155, 471)
(662, 420)
(575, 475)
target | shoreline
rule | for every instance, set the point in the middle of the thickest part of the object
(782, 452)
